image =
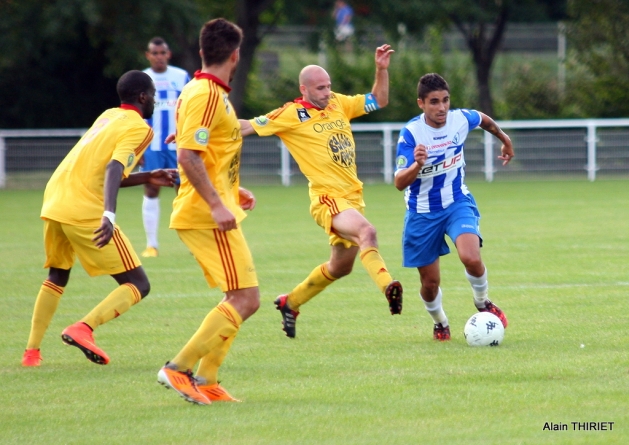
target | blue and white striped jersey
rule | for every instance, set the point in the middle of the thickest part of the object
(168, 86)
(440, 181)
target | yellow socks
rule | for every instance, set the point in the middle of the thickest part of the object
(45, 307)
(373, 262)
(115, 304)
(212, 339)
(318, 280)
(208, 366)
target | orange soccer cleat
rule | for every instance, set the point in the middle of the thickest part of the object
(215, 392)
(32, 357)
(80, 335)
(183, 383)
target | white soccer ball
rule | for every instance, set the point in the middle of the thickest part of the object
(484, 329)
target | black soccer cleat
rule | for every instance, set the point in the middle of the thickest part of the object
(289, 316)
(393, 292)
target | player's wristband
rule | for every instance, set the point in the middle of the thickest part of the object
(111, 216)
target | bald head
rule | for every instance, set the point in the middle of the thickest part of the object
(315, 85)
(313, 74)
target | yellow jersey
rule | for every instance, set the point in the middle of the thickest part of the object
(207, 123)
(74, 194)
(320, 140)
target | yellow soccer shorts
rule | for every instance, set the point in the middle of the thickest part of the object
(224, 257)
(64, 242)
(324, 207)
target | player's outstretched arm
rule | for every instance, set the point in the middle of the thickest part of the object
(163, 177)
(245, 127)
(381, 85)
(489, 125)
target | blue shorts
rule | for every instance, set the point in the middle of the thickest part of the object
(423, 239)
(159, 159)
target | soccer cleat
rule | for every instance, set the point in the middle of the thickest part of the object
(32, 357)
(393, 292)
(182, 382)
(490, 307)
(80, 335)
(215, 392)
(441, 332)
(150, 252)
(289, 316)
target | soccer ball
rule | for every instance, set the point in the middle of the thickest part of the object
(484, 329)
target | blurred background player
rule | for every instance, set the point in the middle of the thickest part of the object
(79, 218)
(207, 213)
(430, 168)
(316, 130)
(169, 81)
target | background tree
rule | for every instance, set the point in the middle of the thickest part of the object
(599, 41)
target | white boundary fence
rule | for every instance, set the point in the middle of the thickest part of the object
(572, 148)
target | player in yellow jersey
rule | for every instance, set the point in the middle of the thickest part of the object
(79, 217)
(316, 130)
(207, 213)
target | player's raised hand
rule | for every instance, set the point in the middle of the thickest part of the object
(383, 56)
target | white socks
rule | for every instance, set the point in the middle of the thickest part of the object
(435, 310)
(150, 216)
(479, 287)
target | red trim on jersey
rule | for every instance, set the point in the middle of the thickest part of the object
(200, 75)
(131, 107)
(307, 104)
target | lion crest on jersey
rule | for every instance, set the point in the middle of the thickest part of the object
(341, 150)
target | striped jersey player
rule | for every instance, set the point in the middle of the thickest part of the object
(430, 168)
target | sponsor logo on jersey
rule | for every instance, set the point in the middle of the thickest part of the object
(444, 166)
(261, 120)
(130, 160)
(455, 139)
(341, 150)
(302, 114)
(226, 101)
(401, 161)
(436, 138)
(338, 124)
(401, 140)
(201, 136)
(234, 166)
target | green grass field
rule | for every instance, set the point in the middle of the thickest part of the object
(557, 256)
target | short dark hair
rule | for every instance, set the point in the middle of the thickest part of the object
(157, 41)
(431, 82)
(218, 39)
(131, 84)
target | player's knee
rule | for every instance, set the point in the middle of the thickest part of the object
(471, 261)
(144, 287)
(340, 270)
(368, 234)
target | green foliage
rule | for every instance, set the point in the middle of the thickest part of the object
(598, 36)
(354, 375)
(530, 92)
(61, 58)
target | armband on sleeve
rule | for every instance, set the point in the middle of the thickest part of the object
(371, 104)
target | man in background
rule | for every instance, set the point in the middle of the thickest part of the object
(169, 81)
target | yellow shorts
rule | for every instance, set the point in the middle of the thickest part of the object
(63, 241)
(224, 257)
(324, 207)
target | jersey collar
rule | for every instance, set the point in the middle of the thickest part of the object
(200, 75)
(306, 104)
(131, 107)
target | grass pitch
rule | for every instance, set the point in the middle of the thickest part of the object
(556, 254)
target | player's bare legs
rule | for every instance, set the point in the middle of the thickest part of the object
(351, 225)
(468, 247)
(430, 292)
